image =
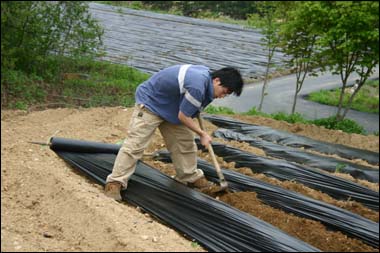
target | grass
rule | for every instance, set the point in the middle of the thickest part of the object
(366, 100)
(219, 110)
(206, 15)
(346, 125)
(78, 82)
(339, 167)
(88, 83)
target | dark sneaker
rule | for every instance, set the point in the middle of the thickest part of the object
(112, 190)
(200, 183)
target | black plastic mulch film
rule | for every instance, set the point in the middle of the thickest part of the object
(334, 186)
(293, 140)
(214, 224)
(333, 217)
(326, 163)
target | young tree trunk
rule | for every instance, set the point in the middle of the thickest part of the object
(270, 55)
(345, 71)
(294, 102)
(301, 67)
(348, 106)
(344, 78)
(363, 79)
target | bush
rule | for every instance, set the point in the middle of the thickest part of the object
(254, 112)
(19, 90)
(233, 9)
(32, 30)
(366, 100)
(346, 125)
(79, 81)
(218, 110)
(291, 118)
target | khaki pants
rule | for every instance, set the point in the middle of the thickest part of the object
(179, 141)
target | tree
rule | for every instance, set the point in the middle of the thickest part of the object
(33, 30)
(348, 41)
(266, 20)
(297, 41)
(234, 9)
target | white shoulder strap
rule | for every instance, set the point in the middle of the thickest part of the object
(181, 77)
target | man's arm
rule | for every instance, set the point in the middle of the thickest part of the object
(189, 122)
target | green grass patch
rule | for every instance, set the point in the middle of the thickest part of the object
(18, 89)
(218, 110)
(366, 100)
(346, 125)
(291, 118)
(88, 83)
(81, 81)
(339, 167)
(205, 14)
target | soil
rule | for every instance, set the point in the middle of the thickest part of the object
(46, 205)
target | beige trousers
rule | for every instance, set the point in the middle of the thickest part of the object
(179, 140)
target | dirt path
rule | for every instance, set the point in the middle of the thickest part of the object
(47, 206)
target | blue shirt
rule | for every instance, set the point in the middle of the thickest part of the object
(185, 88)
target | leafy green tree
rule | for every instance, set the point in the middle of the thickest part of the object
(266, 20)
(234, 9)
(297, 40)
(348, 40)
(33, 30)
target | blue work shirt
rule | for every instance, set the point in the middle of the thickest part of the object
(185, 88)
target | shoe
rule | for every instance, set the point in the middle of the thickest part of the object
(112, 190)
(200, 183)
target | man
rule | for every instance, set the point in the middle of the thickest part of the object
(168, 101)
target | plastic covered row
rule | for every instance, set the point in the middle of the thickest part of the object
(292, 202)
(214, 224)
(284, 170)
(293, 140)
(326, 163)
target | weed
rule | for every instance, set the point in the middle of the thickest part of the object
(194, 244)
(79, 81)
(366, 100)
(346, 125)
(218, 110)
(254, 112)
(339, 167)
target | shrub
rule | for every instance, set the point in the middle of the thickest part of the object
(32, 30)
(254, 112)
(19, 90)
(291, 118)
(346, 125)
(218, 110)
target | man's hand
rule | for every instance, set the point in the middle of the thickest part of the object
(205, 139)
(189, 122)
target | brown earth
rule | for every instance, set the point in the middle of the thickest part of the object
(47, 206)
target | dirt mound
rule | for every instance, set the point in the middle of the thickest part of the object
(48, 206)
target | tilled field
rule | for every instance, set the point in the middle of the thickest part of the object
(49, 206)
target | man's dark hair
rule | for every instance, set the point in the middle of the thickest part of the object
(230, 78)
